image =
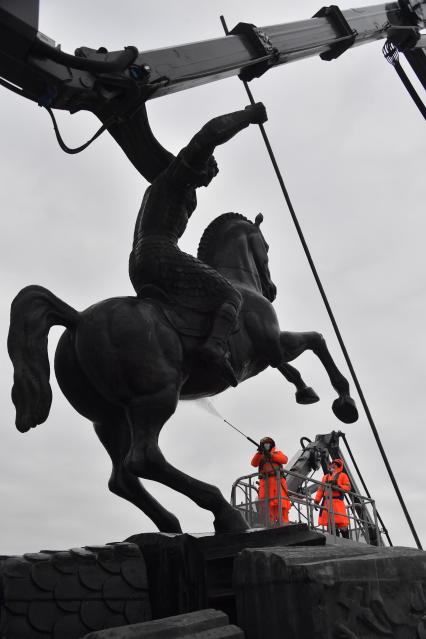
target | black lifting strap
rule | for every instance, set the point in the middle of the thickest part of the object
(392, 56)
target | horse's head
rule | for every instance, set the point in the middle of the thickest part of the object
(260, 248)
(235, 246)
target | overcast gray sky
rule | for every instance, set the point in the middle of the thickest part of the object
(351, 146)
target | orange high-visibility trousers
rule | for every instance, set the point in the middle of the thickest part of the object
(271, 485)
(333, 506)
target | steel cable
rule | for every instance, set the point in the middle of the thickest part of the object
(385, 531)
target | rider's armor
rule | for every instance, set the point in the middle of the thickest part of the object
(156, 259)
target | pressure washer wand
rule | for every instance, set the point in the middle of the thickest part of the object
(241, 433)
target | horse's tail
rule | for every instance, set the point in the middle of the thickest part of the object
(34, 311)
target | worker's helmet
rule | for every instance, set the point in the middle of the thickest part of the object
(267, 440)
(338, 462)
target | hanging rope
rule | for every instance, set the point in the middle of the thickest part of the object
(77, 149)
(331, 316)
(392, 56)
(61, 142)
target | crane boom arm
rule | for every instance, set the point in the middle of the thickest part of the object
(116, 85)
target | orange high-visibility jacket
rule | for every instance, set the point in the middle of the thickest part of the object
(340, 479)
(268, 466)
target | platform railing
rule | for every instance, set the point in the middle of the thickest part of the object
(360, 510)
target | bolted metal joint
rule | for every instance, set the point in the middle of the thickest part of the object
(261, 47)
(404, 38)
(346, 35)
(415, 8)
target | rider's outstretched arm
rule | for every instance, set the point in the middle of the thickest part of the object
(220, 130)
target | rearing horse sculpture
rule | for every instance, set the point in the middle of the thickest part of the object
(124, 363)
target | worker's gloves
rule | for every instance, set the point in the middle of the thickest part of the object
(257, 113)
(264, 449)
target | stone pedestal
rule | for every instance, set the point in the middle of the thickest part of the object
(66, 594)
(278, 583)
(192, 572)
(204, 624)
(347, 592)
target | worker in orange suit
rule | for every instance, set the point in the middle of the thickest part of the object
(340, 484)
(270, 461)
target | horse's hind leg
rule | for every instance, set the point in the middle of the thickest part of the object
(294, 344)
(113, 431)
(147, 417)
(304, 394)
(115, 437)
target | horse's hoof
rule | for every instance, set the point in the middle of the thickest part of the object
(306, 395)
(345, 409)
(231, 521)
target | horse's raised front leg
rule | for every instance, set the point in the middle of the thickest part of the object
(304, 394)
(115, 437)
(147, 417)
(264, 331)
(294, 344)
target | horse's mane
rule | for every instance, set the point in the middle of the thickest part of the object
(204, 247)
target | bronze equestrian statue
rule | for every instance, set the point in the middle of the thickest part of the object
(195, 327)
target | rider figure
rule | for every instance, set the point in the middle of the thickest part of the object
(167, 205)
